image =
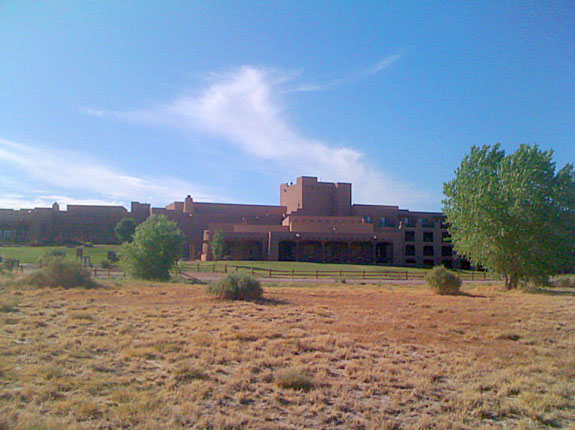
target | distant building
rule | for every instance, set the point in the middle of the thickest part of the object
(316, 221)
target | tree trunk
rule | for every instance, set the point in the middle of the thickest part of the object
(510, 281)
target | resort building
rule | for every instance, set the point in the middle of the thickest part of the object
(315, 221)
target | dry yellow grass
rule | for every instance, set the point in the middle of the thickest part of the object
(144, 356)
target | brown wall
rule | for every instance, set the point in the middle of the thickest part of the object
(310, 197)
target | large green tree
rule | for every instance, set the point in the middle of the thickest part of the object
(513, 214)
(155, 249)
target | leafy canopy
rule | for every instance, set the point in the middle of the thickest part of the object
(125, 230)
(155, 249)
(513, 214)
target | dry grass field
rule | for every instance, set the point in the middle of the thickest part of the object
(143, 356)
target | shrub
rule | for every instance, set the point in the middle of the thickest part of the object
(443, 281)
(9, 264)
(564, 282)
(106, 264)
(55, 272)
(236, 286)
(155, 249)
(295, 379)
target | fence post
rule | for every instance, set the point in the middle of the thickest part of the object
(95, 271)
(484, 276)
(406, 275)
(363, 275)
(472, 275)
(198, 266)
(225, 268)
(292, 272)
(252, 271)
(316, 274)
(213, 267)
(270, 273)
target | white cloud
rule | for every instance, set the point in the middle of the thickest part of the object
(244, 108)
(74, 173)
(373, 70)
(19, 201)
(382, 65)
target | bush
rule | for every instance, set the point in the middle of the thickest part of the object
(155, 249)
(236, 286)
(106, 264)
(55, 272)
(443, 281)
(9, 264)
(295, 379)
(564, 282)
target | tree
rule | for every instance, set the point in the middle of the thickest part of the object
(512, 214)
(218, 245)
(125, 230)
(155, 249)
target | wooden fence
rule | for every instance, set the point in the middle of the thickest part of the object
(388, 275)
(112, 272)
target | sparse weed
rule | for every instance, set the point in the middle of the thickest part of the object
(9, 306)
(187, 373)
(55, 272)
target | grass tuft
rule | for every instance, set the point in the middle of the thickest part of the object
(236, 286)
(295, 379)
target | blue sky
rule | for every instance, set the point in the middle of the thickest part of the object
(109, 101)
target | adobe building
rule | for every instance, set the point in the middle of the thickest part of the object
(315, 221)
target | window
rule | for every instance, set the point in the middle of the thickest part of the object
(448, 263)
(446, 251)
(426, 223)
(428, 251)
(445, 237)
(410, 262)
(367, 219)
(428, 236)
(428, 263)
(410, 236)
(409, 222)
(385, 222)
(410, 250)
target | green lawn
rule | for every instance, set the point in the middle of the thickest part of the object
(272, 269)
(301, 266)
(31, 254)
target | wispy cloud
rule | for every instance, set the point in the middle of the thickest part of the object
(74, 173)
(244, 108)
(21, 201)
(380, 66)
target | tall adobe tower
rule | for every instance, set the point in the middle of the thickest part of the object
(310, 197)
